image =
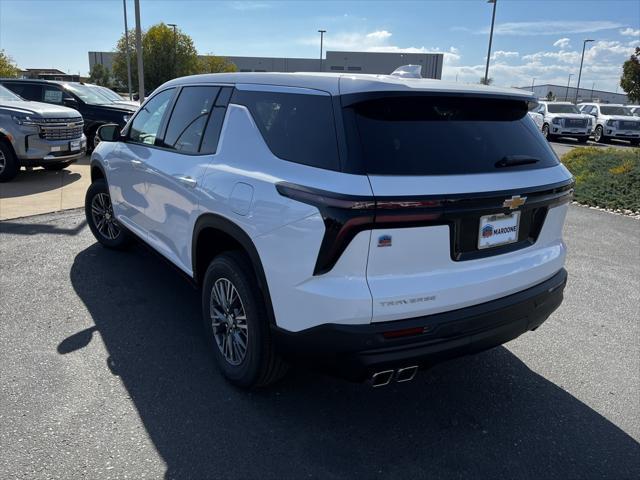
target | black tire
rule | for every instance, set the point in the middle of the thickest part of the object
(56, 166)
(103, 232)
(598, 135)
(9, 166)
(261, 365)
(546, 134)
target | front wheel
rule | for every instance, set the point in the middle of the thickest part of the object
(598, 135)
(9, 167)
(545, 132)
(100, 217)
(236, 324)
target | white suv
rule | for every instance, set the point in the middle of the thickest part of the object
(563, 119)
(366, 225)
(612, 121)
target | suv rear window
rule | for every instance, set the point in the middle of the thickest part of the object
(296, 127)
(442, 135)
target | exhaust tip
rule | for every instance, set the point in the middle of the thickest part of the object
(380, 379)
(406, 374)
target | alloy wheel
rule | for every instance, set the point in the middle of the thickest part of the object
(103, 218)
(229, 321)
(3, 161)
(597, 136)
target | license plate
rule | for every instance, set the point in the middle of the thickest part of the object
(74, 145)
(498, 230)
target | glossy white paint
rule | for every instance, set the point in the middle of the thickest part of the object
(160, 195)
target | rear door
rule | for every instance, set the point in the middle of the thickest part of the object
(470, 200)
(174, 170)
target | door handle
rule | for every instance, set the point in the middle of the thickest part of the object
(186, 180)
(136, 163)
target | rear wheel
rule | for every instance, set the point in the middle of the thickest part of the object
(236, 323)
(9, 167)
(102, 222)
(545, 132)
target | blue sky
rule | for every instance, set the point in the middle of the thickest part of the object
(534, 39)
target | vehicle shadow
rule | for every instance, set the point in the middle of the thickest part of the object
(31, 182)
(19, 228)
(484, 416)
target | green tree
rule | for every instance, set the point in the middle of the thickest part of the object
(164, 54)
(212, 64)
(100, 75)
(550, 96)
(8, 67)
(488, 81)
(630, 79)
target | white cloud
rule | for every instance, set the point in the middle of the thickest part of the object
(379, 35)
(630, 32)
(552, 27)
(561, 43)
(246, 5)
(502, 54)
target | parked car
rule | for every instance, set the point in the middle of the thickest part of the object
(36, 134)
(612, 121)
(537, 118)
(325, 225)
(113, 96)
(95, 109)
(563, 119)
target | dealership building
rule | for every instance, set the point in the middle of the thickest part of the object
(562, 93)
(335, 61)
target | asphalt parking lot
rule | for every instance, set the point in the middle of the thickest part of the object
(105, 375)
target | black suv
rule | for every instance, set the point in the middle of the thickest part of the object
(96, 109)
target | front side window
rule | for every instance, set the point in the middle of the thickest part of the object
(52, 95)
(189, 118)
(297, 127)
(8, 95)
(146, 124)
(28, 91)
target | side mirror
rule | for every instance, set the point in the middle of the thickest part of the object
(70, 102)
(109, 132)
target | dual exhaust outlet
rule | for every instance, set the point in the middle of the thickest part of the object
(385, 377)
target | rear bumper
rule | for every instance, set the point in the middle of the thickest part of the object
(356, 351)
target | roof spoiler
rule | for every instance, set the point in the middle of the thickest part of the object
(408, 71)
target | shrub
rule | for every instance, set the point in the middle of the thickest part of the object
(607, 178)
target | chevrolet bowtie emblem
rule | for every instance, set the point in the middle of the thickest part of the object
(514, 202)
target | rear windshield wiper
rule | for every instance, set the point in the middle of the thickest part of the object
(514, 160)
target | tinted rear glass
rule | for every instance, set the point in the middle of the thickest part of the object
(432, 135)
(614, 111)
(296, 127)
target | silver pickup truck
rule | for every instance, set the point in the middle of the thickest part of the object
(34, 134)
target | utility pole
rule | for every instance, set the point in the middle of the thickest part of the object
(175, 52)
(593, 85)
(566, 95)
(533, 80)
(139, 53)
(493, 19)
(321, 32)
(126, 44)
(584, 44)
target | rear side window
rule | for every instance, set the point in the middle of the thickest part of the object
(443, 135)
(27, 91)
(297, 127)
(189, 118)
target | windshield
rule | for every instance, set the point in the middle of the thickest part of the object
(8, 95)
(432, 135)
(110, 94)
(562, 108)
(614, 111)
(89, 95)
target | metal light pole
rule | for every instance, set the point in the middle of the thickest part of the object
(175, 47)
(321, 32)
(493, 19)
(584, 44)
(533, 81)
(126, 44)
(139, 53)
(566, 95)
(593, 85)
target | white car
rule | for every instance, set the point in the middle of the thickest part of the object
(612, 121)
(367, 225)
(563, 119)
(634, 109)
(537, 118)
